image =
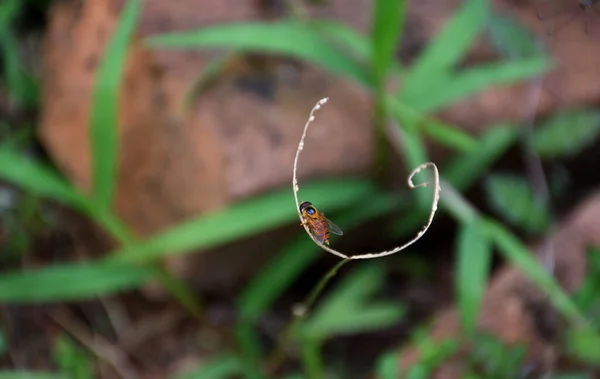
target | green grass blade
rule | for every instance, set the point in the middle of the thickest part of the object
(388, 366)
(463, 171)
(451, 88)
(473, 268)
(450, 136)
(71, 359)
(512, 38)
(456, 205)
(69, 282)
(223, 367)
(386, 27)
(38, 179)
(345, 38)
(447, 135)
(21, 85)
(8, 11)
(347, 309)
(582, 343)
(362, 319)
(312, 358)
(511, 197)
(105, 106)
(179, 289)
(587, 296)
(520, 256)
(289, 38)
(243, 220)
(446, 50)
(566, 133)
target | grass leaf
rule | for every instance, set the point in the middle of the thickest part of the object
(450, 88)
(582, 343)
(386, 27)
(38, 179)
(289, 38)
(345, 311)
(105, 106)
(71, 360)
(474, 260)
(566, 133)
(8, 11)
(446, 50)
(520, 256)
(22, 87)
(69, 282)
(447, 135)
(496, 359)
(347, 39)
(240, 220)
(388, 366)
(512, 198)
(464, 170)
(512, 38)
(588, 293)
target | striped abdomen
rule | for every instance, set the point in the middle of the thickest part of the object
(319, 229)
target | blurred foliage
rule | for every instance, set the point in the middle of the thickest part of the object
(473, 266)
(567, 133)
(491, 358)
(511, 197)
(72, 361)
(437, 79)
(432, 353)
(17, 77)
(348, 310)
(3, 345)
(387, 366)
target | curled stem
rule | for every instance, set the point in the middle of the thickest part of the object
(434, 205)
(301, 311)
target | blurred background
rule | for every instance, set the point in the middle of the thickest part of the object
(148, 225)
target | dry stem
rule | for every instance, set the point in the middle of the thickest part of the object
(436, 198)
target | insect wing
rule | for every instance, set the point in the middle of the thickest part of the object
(333, 228)
(313, 232)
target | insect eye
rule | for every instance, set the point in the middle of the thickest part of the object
(310, 211)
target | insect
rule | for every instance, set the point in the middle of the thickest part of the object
(562, 12)
(318, 224)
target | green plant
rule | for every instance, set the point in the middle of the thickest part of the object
(71, 360)
(18, 80)
(402, 117)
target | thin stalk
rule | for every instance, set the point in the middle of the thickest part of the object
(300, 313)
(311, 357)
